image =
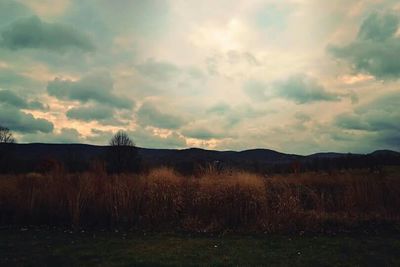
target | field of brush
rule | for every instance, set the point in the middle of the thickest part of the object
(216, 218)
(213, 202)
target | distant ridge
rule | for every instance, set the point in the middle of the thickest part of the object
(330, 155)
(57, 150)
(30, 155)
(384, 152)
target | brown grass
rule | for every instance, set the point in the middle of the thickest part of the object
(214, 201)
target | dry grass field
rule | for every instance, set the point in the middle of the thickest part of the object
(213, 202)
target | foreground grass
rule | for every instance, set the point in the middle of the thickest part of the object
(214, 201)
(54, 247)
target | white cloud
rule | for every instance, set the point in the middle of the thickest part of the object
(191, 59)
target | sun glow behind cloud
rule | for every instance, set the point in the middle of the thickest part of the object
(289, 75)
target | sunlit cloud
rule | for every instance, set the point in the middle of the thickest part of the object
(47, 8)
(295, 75)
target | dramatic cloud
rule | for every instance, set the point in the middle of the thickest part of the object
(103, 114)
(34, 33)
(379, 114)
(149, 115)
(9, 10)
(379, 117)
(376, 49)
(256, 74)
(90, 113)
(302, 89)
(12, 80)
(351, 121)
(203, 134)
(379, 27)
(19, 121)
(97, 87)
(7, 96)
(297, 88)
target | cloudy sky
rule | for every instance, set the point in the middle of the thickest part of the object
(297, 76)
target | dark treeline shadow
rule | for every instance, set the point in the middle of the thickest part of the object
(15, 158)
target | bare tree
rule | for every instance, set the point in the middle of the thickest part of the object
(6, 135)
(122, 155)
(7, 162)
(121, 139)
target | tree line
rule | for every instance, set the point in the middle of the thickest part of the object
(121, 156)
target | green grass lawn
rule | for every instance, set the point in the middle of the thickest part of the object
(44, 247)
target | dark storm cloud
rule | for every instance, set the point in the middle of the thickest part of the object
(378, 27)
(379, 117)
(102, 114)
(351, 121)
(389, 139)
(202, 133)
(376, 49)
(16, 120)
(300, 89)
(8, 97)
(9, 10)
(34, 33)
(11, 79)
(96, 87)
(149, 115)
(92, 113)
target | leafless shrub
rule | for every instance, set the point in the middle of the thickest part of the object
(215, 201)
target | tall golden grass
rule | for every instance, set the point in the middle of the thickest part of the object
(214, 201)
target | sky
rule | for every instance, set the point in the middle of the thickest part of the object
(297, 76)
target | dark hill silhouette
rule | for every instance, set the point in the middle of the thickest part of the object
(384, 153)
(266, 155)
(78, 157)
(327, 155)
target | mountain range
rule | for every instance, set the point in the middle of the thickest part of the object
(32, 154)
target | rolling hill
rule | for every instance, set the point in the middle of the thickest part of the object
(32, 154)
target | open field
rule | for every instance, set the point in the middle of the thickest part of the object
(56, 247)
(213, 202)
